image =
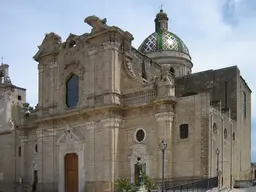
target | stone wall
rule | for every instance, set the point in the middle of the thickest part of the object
(9, 159)
(223, 137)
(212, 82)
(227, 86)
(190, 156)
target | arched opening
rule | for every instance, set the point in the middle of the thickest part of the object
(172, 71)
(233, 137)
(225, 134)
(72, 91)
(36, 148)
(214, 128)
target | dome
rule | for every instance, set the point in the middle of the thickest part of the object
(163, 40)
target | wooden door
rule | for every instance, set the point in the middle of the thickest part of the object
(71, 172)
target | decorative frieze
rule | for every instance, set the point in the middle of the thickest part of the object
(92, 50)
(164, 116)
(23, 138)
(72, 146)
(75, 66)
(90, 125)
(140, 96)
(111, 122)
(111, 45)
(51, 132)
(39, 134)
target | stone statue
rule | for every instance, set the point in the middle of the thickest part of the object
(139, 167)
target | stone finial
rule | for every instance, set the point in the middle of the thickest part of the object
(96, 23)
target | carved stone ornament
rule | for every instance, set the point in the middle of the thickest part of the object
(111, 45)
(127, 63)
(164, 116)
(111, 122)
(51, 132)
(52, 64)
(68, 135)
(96, 23)
(11, 124)
(23, 138)
(39, 133)
(128, 66)
(50, 44)
(92, 50)
(73, 67)
(90, 125)
(165, 75)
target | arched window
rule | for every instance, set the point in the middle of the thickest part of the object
(36, 148)
(234, 136)
(214, 128)
(72, 91)
(244, 104)
(225, 134)
(172, 71)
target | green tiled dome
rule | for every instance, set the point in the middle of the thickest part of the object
(163, 40)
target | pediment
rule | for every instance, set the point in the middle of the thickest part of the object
(68, 135)
(50, 44)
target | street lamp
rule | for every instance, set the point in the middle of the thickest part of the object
(163, 146)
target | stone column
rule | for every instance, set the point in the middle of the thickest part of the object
(164, 132)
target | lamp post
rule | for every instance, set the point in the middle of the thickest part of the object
(217, 169)
(163, 146)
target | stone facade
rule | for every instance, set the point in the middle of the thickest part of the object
(127, 103)
(253, 171)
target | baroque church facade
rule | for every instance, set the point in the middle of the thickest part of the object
(102, 103)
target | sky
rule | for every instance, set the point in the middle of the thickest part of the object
(218, 33)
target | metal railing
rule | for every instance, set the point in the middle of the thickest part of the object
(196, 186)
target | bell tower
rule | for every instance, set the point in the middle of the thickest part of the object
(4, 73)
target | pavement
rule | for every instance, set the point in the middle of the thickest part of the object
(251, 189)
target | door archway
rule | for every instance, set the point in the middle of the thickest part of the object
(71, 172)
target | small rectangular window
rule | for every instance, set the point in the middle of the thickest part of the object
(184, 131)
(19, 97)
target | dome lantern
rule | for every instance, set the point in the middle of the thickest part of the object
(161, 21)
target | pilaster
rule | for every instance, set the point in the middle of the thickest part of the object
(164, 132)
(23, 141)
(38, 158)
(113, 145)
